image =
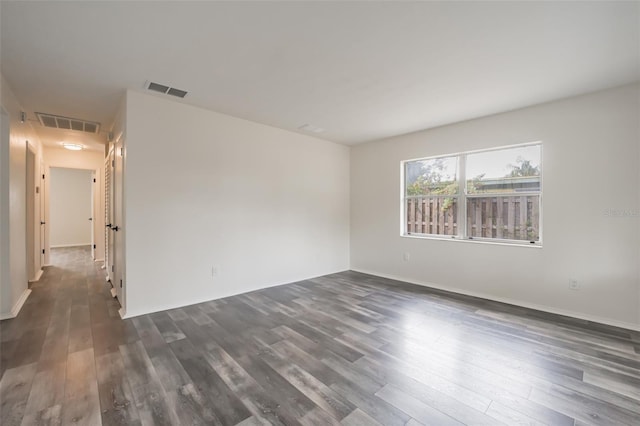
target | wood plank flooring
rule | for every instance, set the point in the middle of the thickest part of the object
(348, 348)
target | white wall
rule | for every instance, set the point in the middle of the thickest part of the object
(13, 263)
(70, 204)
(88, 160)
(6, 297)
(266, 206)
(590, 160)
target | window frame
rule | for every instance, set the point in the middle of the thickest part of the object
(463, 196)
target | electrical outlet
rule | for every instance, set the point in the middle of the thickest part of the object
(406, 256)
(215, 270)
(574, 284)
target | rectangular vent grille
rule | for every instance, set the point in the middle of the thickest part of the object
(158, 87)
(66, 123)
(161, 88)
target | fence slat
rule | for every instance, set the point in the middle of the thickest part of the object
(479, 218)
(488, 222)
(412, 216)
(523, 218)
(499, 217)
(511, 219)
(535, 220)
(450, 219)
(418, 226)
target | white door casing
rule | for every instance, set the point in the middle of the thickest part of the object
(118, 178)
(31, 208)
(41, 214)
(93, 214)
(108, 215)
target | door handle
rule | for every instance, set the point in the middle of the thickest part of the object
(42, 223)
(108, 225)
(115, 228)
(90, 218)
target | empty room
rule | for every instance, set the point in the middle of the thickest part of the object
(320, 213)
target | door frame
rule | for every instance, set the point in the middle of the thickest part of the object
(42, 216)
(118, 218)
(92, 219)
(109, 219)
(32, 210)
(47, 209)
(116, 159)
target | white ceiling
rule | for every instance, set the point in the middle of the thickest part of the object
(360, 70)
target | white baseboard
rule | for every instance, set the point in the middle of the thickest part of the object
(543, 308)
(98, 260)
(70, 245)
(113, 292)
(122, 313)
(38, 276)
(16, 308)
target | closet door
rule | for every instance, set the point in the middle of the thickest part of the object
(108, 216)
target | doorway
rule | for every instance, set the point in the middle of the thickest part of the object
(71, 208)
(33, 211)
(114, 219)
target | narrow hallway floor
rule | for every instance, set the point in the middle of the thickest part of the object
(47, 352)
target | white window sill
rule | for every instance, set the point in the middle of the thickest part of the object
(538, 244)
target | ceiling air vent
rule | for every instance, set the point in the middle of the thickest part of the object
(66, 123)
(161, 88)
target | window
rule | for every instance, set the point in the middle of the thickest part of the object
(491, 195)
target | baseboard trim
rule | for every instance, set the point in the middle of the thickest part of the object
(16, 308)
(70, 245)
(543, 308)
(98, 260)
(38, 276)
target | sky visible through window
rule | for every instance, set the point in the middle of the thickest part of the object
(437, 175)
(499, 163)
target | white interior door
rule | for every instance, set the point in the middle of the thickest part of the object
(31, 213)
(118, 220)
(108, 214)
(93, 215)
(41, 215)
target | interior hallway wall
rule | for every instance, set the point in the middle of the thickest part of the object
(13, 231)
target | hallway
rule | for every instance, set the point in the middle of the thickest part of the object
(50, 351)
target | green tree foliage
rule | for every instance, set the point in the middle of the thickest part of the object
(431, 178)
(523, 168)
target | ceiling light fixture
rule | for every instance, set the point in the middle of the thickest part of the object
(311, 128)
(72, 146)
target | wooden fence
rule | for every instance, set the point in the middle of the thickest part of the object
(507, 217)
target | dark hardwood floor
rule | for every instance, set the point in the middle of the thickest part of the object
(347, 348)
